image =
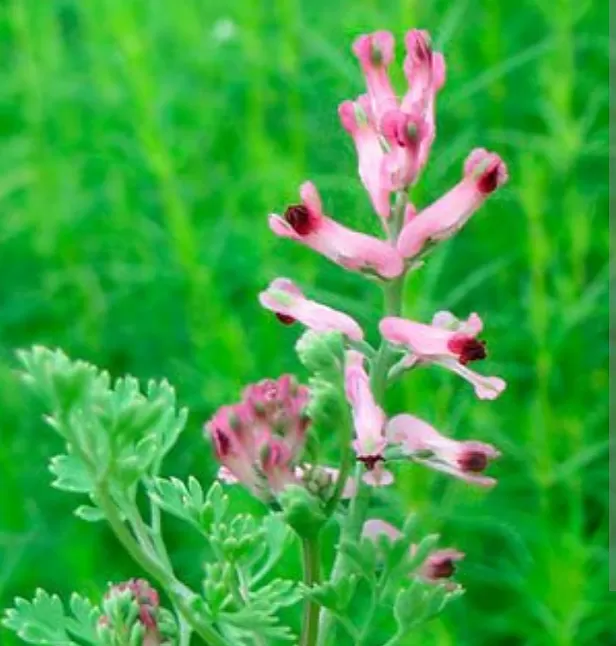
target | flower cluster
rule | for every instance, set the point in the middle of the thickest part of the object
(258, 440)
(132, 614)
(257, 443)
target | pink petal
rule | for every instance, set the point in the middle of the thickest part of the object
(374, 527)
(375, 53)
(423, 340)
(485, 387)
(368, 417)
(370, 154)
(484, 173)
(284, 298)
(348, 248)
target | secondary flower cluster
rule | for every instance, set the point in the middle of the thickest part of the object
(132, 613)
(259, 439)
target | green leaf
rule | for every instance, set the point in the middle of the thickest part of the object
(172, 496)
(89, 514)
(277, 537)
(363, 557)
(70, 474)
(278, 593)
(217, 501)
(258, 616)
(41, 621)
(189, 503)
(422, 601)
(85, 618)
(335, 596)
(114, 430)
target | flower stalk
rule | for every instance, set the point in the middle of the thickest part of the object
(312, 576)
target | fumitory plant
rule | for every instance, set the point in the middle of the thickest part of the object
(385, 580)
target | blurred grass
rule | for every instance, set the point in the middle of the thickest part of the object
(143, 144)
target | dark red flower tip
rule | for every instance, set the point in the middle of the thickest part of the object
(423, 47)
(442, 568)
(473, 461)
(300, 219)
(370, 461)
(304, 422)
(222, 443)
(285, 319)
(467, 348)
(490, 180)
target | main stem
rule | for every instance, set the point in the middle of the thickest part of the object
(359, 505)
(312, 576)
(351, 531)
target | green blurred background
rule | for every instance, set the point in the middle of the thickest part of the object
(143, 144)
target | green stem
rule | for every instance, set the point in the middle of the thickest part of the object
(346, 462)
(312, 576)
(382, 363)
(358, 510)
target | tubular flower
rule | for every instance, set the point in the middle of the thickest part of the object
(259, 439)
(357, 119)
(425, 73)
(484, 172)
(368, 420)
(448, 342)
(307, 224)
(289, 304)
(439, 565)
(375, 52)
(466, 460)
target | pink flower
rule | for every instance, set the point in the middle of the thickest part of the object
(466, 460)
(368, 420)
(307, 224)
(259, 439)
(447, 342)
(484, 172)
(425, 73)
(286, 300)
(358, 120)
(440, 564)
(375, 53)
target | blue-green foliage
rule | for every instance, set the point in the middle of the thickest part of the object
(143, 144)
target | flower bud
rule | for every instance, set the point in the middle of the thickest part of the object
(132, 615)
